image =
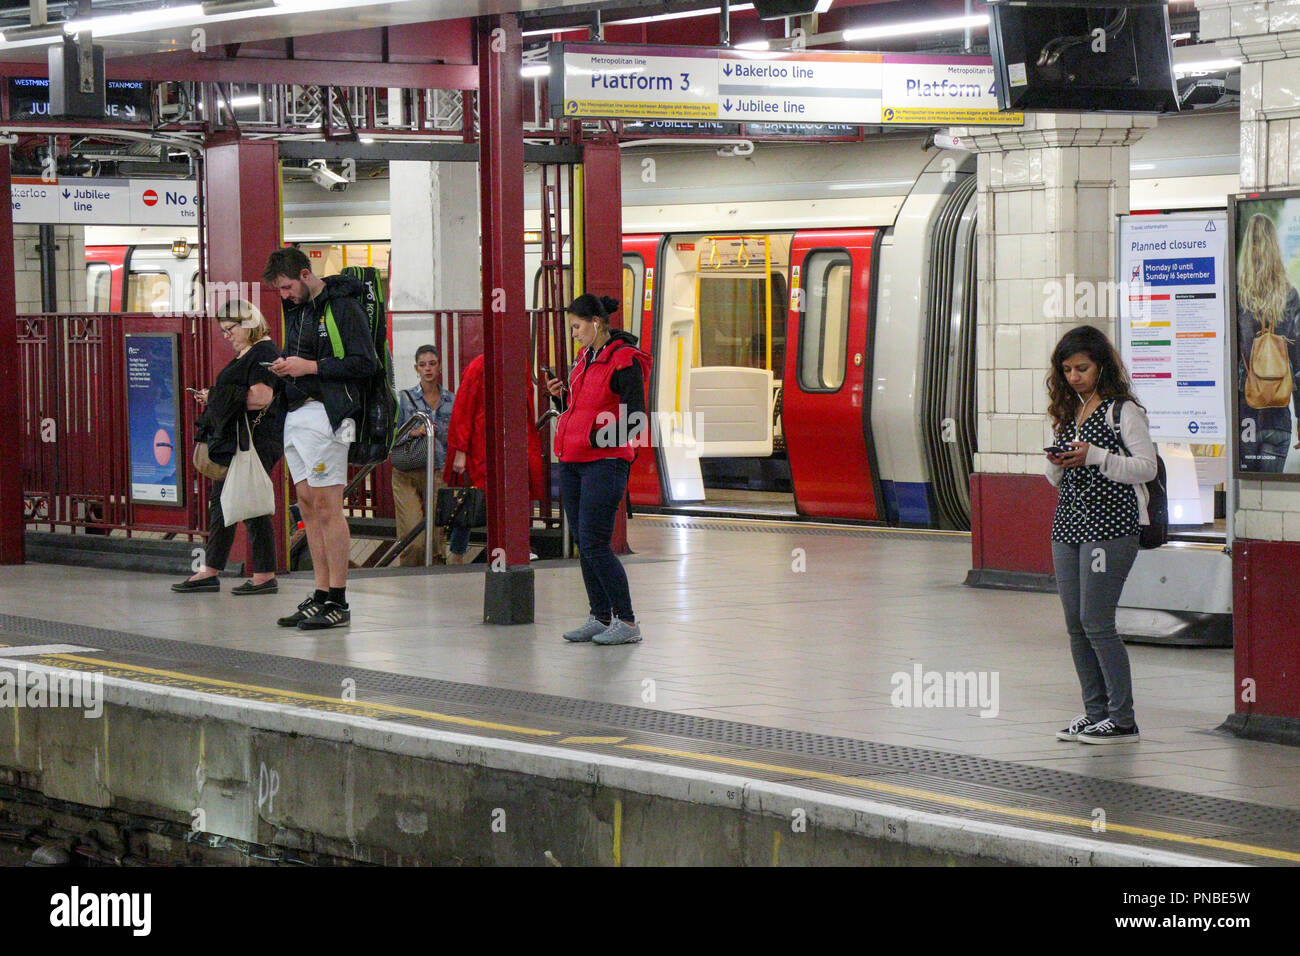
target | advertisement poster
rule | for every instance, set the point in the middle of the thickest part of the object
(152, 374)
(1174, 321)
(1266, 319)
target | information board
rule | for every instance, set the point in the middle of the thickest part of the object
(799, 86)
(153, 417)
(125, 101)
(1174, 322)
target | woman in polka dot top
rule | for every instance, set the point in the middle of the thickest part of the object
(1101, 505)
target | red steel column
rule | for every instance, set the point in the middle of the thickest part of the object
(508, 590)
(11, 457)
(242, 209)
(602, 230)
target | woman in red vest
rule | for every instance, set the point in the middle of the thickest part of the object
(467, 446)
(595, 440)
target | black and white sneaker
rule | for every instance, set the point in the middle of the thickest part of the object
(329, 615)
(1076, 727)
(308, 608)
(1107, 732)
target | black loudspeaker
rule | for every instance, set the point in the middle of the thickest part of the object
(77, 87)
(779, 9)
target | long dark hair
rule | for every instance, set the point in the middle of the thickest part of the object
(1112, 377)
(588, 306)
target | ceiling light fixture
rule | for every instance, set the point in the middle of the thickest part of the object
(1205, 66)
(212, 8)
(534, 70)
(943, 24)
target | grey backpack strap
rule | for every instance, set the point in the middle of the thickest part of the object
(1113, 422)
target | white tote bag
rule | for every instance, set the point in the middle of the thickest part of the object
(248, 492)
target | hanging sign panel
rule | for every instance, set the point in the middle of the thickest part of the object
(69, 201)
(1174, 322)
(799, 86)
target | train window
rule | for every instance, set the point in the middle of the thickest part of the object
(633, 284)
(733, 321)
(197, 305)
(149, 292)
(824, 336)
(566, 295)
(99, 287)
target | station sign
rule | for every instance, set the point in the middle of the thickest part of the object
(70, 201)
(844, 131)
(125, 101)
(674, 84)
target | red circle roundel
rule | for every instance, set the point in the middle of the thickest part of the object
(150, 197)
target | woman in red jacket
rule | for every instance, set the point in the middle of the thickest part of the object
(595, 440)
(467, 446)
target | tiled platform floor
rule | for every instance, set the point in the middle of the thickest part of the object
(781, 626)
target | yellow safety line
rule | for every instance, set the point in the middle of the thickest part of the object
(298, 695)
(776, 847)
(618, 832)
(677, 395)
(967, 803)
(593, 740)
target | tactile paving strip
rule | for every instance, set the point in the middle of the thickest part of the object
(850, 755)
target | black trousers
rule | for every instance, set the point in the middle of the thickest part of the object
(261, 534)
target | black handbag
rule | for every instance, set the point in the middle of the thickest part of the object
(460, 508)
(411, 455)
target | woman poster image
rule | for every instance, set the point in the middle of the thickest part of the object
(1268, 350)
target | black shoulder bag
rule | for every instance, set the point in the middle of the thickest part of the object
(1156, 531)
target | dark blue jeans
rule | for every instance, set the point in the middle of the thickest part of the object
(592, 491)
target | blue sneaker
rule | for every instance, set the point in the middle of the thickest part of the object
(618, 632)
(586, 632)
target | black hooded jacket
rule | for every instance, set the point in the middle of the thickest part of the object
(339, 383)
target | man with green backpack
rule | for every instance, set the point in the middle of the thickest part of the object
(329, 365)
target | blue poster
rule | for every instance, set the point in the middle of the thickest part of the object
(152, 419)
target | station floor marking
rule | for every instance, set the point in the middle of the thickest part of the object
(968, 804)
(41, 650)
(274, 695)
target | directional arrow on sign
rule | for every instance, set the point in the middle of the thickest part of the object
(66, 194)
(727, 69)
(726, 105)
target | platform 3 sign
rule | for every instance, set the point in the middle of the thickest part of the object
(687, 83)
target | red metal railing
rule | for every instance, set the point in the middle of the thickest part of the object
(76, 458)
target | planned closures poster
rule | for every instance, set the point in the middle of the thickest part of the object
(1173, 322)
(152, 417)
(1265, 276)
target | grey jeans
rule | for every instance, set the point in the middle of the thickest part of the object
(1089, 598)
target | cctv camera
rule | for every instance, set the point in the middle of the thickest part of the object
(326, 178)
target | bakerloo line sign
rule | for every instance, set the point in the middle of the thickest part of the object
(615, 81)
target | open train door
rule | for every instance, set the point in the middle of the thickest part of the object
(824, 416)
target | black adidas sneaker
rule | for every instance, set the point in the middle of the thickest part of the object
(308, 608)
(329, 614)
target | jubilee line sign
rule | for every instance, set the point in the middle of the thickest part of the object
(615, 81)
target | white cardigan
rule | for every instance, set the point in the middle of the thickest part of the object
(1136, 470)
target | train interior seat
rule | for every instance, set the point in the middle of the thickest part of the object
(732, 411)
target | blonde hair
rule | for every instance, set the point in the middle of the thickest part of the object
(249, 317)
(1262, 283)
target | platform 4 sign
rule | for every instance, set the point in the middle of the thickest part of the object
(686, 83)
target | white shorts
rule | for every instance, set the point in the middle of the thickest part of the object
(314, 452)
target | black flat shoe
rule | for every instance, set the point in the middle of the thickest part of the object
(203, 584)
(248, 587)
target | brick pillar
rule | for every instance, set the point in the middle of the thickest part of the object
(1048, 196)
(1265, 37)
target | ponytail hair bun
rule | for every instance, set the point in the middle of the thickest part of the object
(588, 306)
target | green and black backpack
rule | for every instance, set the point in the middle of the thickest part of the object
(378, 420)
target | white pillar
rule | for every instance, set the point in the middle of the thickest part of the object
(434, 262)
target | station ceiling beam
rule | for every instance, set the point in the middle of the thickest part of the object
(452, 151)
